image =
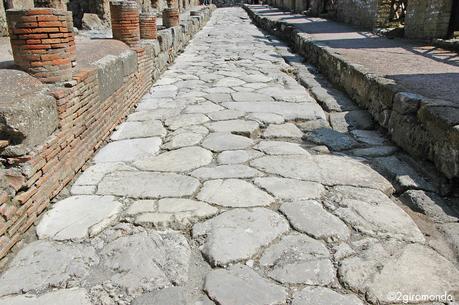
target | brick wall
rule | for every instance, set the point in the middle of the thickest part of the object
(88, 111)
(428, 18)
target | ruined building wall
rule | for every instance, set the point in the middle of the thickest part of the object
(358, 12)
(428, 18)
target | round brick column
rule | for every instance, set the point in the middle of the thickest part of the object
(171, 17)
(148, 25)
(40, 43)
(125, 21)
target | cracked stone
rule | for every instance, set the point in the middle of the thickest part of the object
(239, 234)
(94, 174)
(45, 264)
(281, 148)
(226, 171)
(287, 130)
(147, 185)
(240, 285)
(128, 150)
(238, 156)
(325, 169)
(143, 129)
(241, 127)
(184, 120)
(323, 296)
(234, 193)
(180, 160)
(225, 141)
(77, 296)
(309, 217)
(184, 139)
(290, 189)
(78, 217)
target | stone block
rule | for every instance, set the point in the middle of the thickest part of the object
(110, 74)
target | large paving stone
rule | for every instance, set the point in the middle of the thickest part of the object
(290, 111)
(183, 140)
(332, 139)
(238, 156)
(94, 174)
(156, 114)
(280, 148)
(63, 296)
(325, 169)
(224, 115)
(299, 259)
(372, 212)
(183, 120)
(166, 296)
(78, 217)
(287, 130)
(345, 121)
(147, 185)
(239, 234)
(128, 150)
(180, 160)
(240, 285)
(251, 97)
(234, 193)
(323, 296)
(226, 141)
(146, 260)
(204, 107)
(379, 270)
(309, 217)
(226, 171)
(290, 189)
(143, 129)
(240, 127)
(266, 118)
(44, 264)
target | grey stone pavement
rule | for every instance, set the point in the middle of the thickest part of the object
(230, 185)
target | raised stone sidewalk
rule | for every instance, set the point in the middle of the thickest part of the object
(231, 185)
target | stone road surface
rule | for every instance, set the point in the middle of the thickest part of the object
(218, 190)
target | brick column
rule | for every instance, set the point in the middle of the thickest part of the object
(125, 22)
(148, 25)
(41, 44)
(171, 17)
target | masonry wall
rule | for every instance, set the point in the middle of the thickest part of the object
(88, 109)
(365, 13)
(428, 18)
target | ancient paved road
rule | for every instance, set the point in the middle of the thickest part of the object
(207, 194)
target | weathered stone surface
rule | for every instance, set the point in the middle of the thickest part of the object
(299, 259)
(451, 232)
(204, 107)
(238, 156)
(266, 118)
(156, 114)
(234, 193)
(147, 185)
(94, 174)
(290, 189)
(226, 171)
(174, 213)
(327, 170)
(323, 296)
(380, 269)
(313, 124)
(78, 217)
(239, 234)
(180, 160)
(287, 130)
(44, 264)
(240, 285)
(229, 82)
(240, 127)
(309, 217)
(251, 97)
(77, 296)
(345, 121)
(164, 258)
(332, 139)
(223, 141)
(370, 137)
(379, 151)
(128, 150)
(225, 115)
(281, 148)
(142, 129)
(166, 296)
(183, 120)
(372, 212)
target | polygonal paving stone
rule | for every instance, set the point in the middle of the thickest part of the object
(240, 285)
(156, 114)
(240, 127)
(45, 264)
(309, 217)
(266, 118)
(94, 174)
(372, 212)
(166, 296)
(78, 217)
(63, 296)
(229, 82)
(287, 130)
(204, 107)
(290, 189)
(180, 160)
(370, 137)
(183, 120)
(143, 129)
(147, 185)
(184, 139)
(345, 121)
(281, 148)
(176, 213)
(226, 171)
(164, 258)
(128, 150)
(299, 259)
(325, 169)
(332, 139)
(239, 234)
(251, 97)
(238, 156)
(225, 115)
(234, 193)
(226, 141)
(323, 296)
